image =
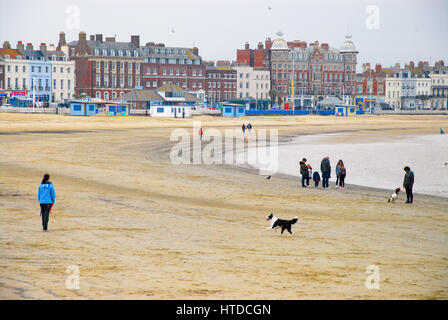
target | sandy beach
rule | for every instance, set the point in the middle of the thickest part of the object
(139, 227)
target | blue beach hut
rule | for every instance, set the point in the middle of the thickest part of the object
(233, 110)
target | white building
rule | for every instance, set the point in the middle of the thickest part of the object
(439, 90)
(401, 90)
(63, 76)
(252, 82)
(14, 75)
(423, 91)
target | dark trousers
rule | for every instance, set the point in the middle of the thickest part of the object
(305, 179)
(316, 183)
(409, 194)
(45, 213)
(342, 181)
(325, 182)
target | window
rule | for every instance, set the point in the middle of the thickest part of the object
(112, 53)
(128, 53)
(135, 53)
(114, 95)
(121, 65)
(98, 95)
(97, 80)
(69, 84)
(129, 66)
(114, 81)
(106, 80)
(129, 81)
(68, 70)
(120, 53)
(62, 84)
(104, 52)
(106, 95)
(106, 65)
(62, 70)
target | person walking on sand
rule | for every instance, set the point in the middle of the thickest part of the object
(243, 128)
(304, 172)
(342, 174)
(325, 168)
(441, 131)
(46, 196)
(201, 133)
(249, 127)
(408, 183)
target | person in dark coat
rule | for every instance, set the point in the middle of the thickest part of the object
(342, 174)
(243, 128)
(408, 183)
(304, 172)
(316, 178)
(325, 168)
(337, 172)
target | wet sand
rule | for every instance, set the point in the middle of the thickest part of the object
(139, 227)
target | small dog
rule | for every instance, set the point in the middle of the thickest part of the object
(394, 196)
(280, 223)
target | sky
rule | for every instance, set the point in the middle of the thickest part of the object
(383, 31)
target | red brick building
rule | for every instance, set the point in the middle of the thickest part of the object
(370, 84)
(180, 66)
(105, 69)
(255, 57)
(221, 82)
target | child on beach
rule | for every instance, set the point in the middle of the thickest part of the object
(316, 178)
(310, 174)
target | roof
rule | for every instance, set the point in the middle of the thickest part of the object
(12, 53)
(33, 55)
(330, 101)
(348, 45)
(109, 45)
(142, 95)
(169, 53)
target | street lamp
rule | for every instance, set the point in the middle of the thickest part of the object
(293, 56)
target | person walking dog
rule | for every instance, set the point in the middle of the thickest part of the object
(47, 196)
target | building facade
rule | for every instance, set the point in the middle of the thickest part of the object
(40, 73)
(105, 69)
(14, 80)
(318, 70)
(370, 85)
(252, 82)
(439, 90)
(221, 82)
(401, 89)
(180, 66)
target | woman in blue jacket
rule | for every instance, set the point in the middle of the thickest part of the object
(46, 196)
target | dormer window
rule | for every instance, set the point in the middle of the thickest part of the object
(96, 52)
(112, 53)
(120, 53)
(128, 53)
(104, 52)
(135, 53)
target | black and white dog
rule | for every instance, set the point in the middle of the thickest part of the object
(394, 196)
(280, 223)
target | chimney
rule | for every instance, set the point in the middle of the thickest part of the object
(43, 48)
(99, 37)
(150, 44)
(268, 43)
(51, 47)
(160, 45)
(82, 37)
(135, 40)
(29, 47)
(6, 45)
(92, 37)
(195, 51)
(378, 68)
(110, 39)
(62, 41)
(260, 45)
(246, 46)
(20, 47)
(324, 46)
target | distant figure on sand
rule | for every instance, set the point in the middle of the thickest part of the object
(408, 183)
(201, 133)
(304, 172)
(310, 174)
(325, 168)
(316, 178)
(441, 131)
(249, 127)
(342, 173)
(46, 196)
(243, 128)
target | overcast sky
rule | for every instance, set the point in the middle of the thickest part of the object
(383, 31)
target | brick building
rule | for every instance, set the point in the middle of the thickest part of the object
(221, 81)
(180, 66)
(370, 85)
(256, 58)
(105, 69)
(319, 70)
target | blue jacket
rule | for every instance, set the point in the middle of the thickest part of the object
(46, 193)
(316, 176)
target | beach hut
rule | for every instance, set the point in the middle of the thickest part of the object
(83, 108)
(345, 110)
(174, 111)
(117, 109)
(233, 110)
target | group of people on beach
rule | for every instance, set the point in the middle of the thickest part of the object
(325, 167)
(248, 127)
